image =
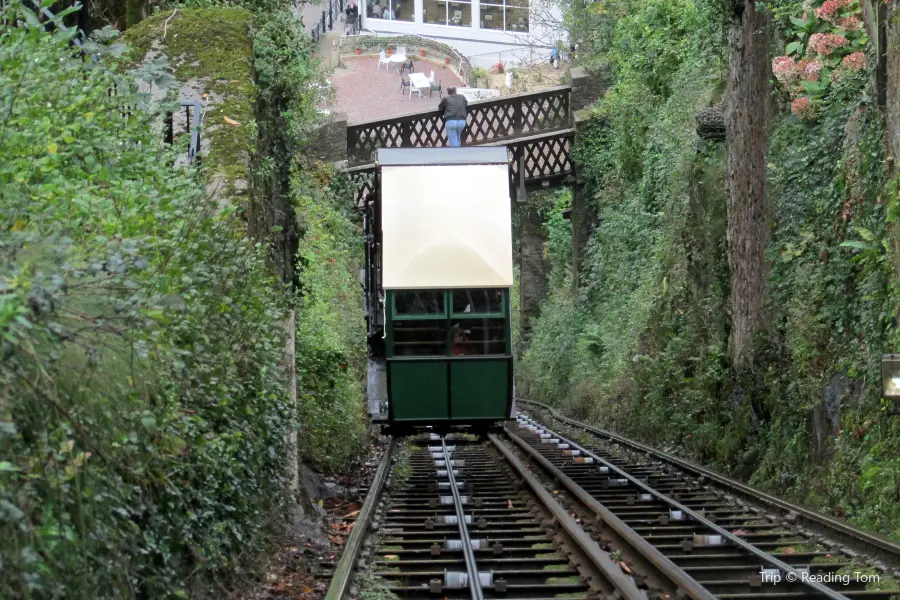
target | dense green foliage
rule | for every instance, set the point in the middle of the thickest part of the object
(331, 355)
(142, 442)
(642, 345)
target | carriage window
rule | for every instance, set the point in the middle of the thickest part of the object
(477, 302)
(478, 336)
(420, 338)
(424, 302)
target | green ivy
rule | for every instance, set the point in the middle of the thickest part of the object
(642, 345)
(330, 353)
(143, 417)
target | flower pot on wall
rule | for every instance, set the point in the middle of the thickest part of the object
(358, 50)
(422, 53)
(447, 61)
(388, 51)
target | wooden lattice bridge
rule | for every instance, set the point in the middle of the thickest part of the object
(537, 128)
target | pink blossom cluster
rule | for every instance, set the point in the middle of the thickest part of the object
(784, 69)
(802, 107)
(831, 9)
(850, 24)
(855, 61)
(824, 44)
(809, 70)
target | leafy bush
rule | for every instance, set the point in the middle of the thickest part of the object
(825, 53)
(642, 346)
(143, 416)
(331, 353)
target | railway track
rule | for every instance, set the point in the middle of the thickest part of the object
(735, 541)
(531, 514)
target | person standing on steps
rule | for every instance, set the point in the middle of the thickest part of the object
(453, 109)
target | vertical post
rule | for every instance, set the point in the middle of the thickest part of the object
(323, 21)
(289, 368)
(881, 71)
(580, 227)
(169, 133)
(517, 115)
(520, 195)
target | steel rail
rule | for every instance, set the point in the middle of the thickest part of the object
(466, 542)
(664, 567)
(737, 541)
(344, 569)
(877, 545)
(591, 549)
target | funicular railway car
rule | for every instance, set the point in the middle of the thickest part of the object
(438, 277)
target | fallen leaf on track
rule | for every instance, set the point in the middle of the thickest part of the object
(230, 121)
(355, 513)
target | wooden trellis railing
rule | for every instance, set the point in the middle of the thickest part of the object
(546, 157)
(489, 122)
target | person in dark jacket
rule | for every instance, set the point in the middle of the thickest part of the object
(453, 110)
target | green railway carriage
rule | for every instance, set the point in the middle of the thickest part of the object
(438, 279)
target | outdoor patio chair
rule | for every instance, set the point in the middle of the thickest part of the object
(382, 59)
(401, 50)
(435, 87)
(407, 66)
(404, 83)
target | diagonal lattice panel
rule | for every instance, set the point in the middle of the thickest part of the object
(488, 121)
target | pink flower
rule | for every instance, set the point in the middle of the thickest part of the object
(855, 61)
(802, 107)
(849, 24)
(824, 44)
(784, 69)
(829, 10)
(811, 70)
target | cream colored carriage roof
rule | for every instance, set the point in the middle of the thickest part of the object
(446, 226)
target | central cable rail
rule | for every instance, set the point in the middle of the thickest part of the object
(466, 542)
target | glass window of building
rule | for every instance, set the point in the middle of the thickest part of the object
(443, 12)
(505, 15)
(392, 10)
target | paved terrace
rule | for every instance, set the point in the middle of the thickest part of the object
(364, 92)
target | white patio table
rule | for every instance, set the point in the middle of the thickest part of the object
(417, 83)
(397, 59)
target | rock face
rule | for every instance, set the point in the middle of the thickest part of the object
(209, 53)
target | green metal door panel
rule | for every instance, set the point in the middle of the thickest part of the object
(479, 388)
(418, 390)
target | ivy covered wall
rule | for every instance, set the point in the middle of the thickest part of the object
(147, 424)
(649, 326)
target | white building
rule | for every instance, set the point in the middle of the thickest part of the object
(484, 31)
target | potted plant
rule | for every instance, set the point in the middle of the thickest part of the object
(388, 51)
(358, 51)
(422, 52)
(447, 60)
